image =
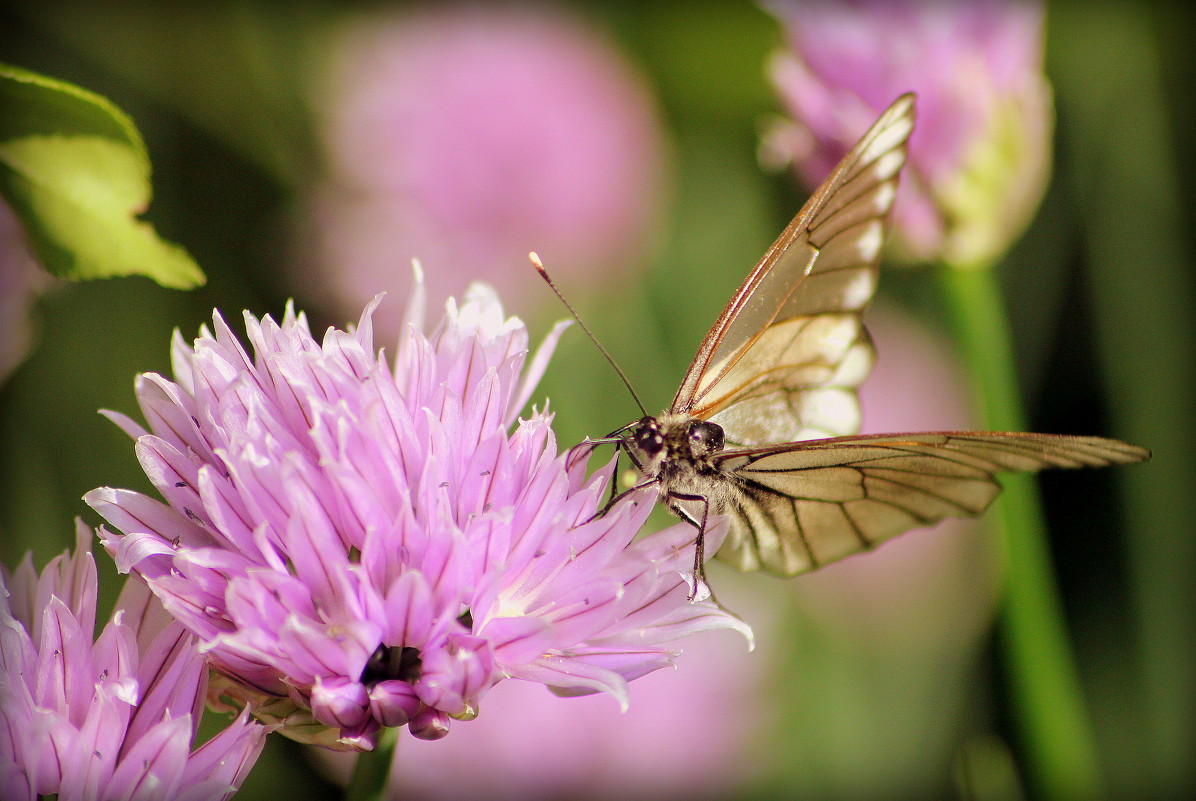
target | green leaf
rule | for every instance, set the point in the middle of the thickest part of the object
(75, 172)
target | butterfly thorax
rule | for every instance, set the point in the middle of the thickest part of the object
(674, 448)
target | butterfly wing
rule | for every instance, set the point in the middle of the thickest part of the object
(798, 506)
(786, 355)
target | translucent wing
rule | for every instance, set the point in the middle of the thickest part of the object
(785, 357)
(798, 506)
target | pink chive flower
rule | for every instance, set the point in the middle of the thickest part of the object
(467, 135)
(109, 718)
(362, 544)
(980, 157)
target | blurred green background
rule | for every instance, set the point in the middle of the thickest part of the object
(1099, 290)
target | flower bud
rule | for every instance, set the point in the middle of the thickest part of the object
(430, 724)
(338, 701)
(393, 702)
(979, 158)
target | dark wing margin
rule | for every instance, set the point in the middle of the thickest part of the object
(794, 324)
(802, 505)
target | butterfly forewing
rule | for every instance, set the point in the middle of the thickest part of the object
(790, 347)
(801, 505)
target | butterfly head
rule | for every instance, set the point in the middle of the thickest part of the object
(673, 439)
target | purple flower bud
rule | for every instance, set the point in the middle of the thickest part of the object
(340, 700)
(393, 702)
(430, 724)
(461, 670)
(979, 158)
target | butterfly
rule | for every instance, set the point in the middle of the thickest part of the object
(763, 427)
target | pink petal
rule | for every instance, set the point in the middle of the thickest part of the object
(517, 640)
(171, 414)
(173, 677)
(223, 761)
(134, 513)
(535, 370)
(114, 660)
(65, 679)
(153, 767)
(566, 676)
(92, 754)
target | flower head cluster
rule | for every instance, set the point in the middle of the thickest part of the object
(979, 159)
(373, 544)
(109, 718)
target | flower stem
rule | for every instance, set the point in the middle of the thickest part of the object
(1127, 175)
(1048, 700)
(372, 771)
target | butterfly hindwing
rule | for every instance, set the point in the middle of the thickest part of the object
(798, 506)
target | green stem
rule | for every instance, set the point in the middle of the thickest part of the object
(1127, 177)
(372, 771)
(1048, 702)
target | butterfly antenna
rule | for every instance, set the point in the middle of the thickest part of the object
(539, 265)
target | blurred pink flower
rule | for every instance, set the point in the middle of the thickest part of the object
(366, 546)
(980, 156)
(467, 136)
(20, 279)
(113, 718)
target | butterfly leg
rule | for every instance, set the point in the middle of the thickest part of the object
(583, 451)
(614, 479)
(580, 451)
(700, 541)
(615, 499)
(587, 446)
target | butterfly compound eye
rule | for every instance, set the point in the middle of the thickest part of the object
(647, 436)
(705, 438)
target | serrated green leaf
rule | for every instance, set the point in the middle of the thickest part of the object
(75, 172)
